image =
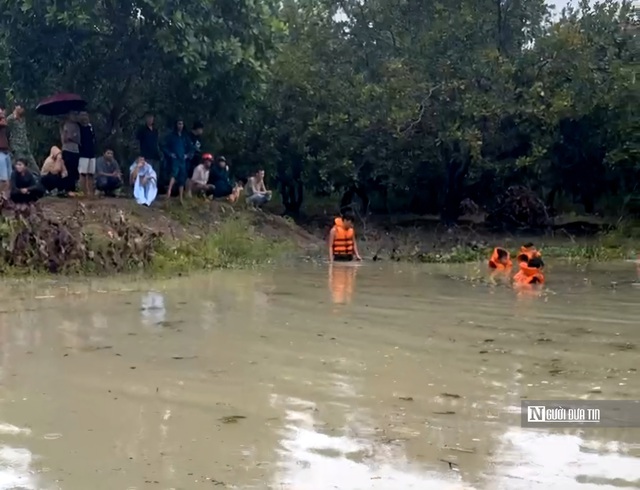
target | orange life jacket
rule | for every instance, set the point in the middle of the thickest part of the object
(528, 275)
(343, 240)
(526, 254)
(495, 263)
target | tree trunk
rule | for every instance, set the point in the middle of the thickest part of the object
(454, 192)
(347, 203)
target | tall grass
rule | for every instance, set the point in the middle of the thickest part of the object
(235, 243)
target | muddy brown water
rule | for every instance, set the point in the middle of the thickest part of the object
(375, 377)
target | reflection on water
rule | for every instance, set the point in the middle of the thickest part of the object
(16, 471)
(152, 308)
(402, 377)
(564, 460)
(342, 279)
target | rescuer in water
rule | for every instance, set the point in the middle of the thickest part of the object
(342, 240)
(500, 260)
(530, 272)
(527, 252)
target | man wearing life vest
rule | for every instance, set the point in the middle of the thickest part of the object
(527, 252)
(530, 272)
(342, 240)
(500, 260)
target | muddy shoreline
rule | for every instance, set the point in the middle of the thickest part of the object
(107, 236)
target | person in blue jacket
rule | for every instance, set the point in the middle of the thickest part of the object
(177, 150)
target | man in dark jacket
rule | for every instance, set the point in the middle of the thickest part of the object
(178, 151)
(149, 142)
(195, 136)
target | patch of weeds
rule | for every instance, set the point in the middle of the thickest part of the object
(591, 253)
(234, 243)
(456, 255)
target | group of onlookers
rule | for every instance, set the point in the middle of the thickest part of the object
(177, 160)
(190, 169)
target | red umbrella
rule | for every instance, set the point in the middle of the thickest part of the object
(60, 104)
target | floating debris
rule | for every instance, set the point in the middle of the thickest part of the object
(232, 419)
(450, 395)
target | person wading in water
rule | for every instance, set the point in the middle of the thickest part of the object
(342, 240)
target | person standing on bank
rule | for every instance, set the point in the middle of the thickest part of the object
(87, 161)
(19, 138)
(177, 148)
(70, 137)
(195, 137)
(342, 240)
(149, 142)
(5, 156)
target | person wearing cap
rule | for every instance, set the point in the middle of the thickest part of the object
(200, 178)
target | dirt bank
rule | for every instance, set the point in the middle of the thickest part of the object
(117, 235)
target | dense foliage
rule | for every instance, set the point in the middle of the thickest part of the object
(413, 104)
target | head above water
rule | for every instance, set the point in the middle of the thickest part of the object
(503, 255)
(535, 263)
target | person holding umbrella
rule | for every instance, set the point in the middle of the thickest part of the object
(67, 105)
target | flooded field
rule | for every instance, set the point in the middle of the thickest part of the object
(386, 377)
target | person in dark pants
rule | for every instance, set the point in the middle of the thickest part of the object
(195, 136)
(177, 149)
(24, 186)
(149, 142)
(70, 136)
(108, 175)
(220, 179)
